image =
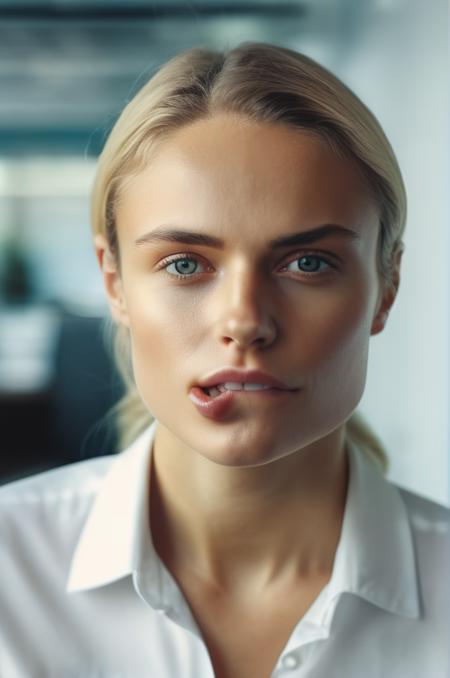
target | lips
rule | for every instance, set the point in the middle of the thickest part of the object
(218, 405)
(227, 375)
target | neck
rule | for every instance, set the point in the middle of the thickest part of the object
(256, 524)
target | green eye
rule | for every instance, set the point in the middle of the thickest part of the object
(310, 264)
(183, 266)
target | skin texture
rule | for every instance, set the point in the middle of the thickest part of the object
(250, 506)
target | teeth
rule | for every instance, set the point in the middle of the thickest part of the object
(232, 386)
(236, 386)
(214, 391)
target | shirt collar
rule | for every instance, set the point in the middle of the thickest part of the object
(116, 538)
(374, 560)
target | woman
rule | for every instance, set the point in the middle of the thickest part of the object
(248, 214)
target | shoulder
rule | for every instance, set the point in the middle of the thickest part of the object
(429, 523)
(59, 484)
(425, 514)
(38, 507)
(41, 520)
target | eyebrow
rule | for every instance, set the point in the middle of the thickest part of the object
(175, 235)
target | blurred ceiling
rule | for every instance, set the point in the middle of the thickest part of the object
(67, 68)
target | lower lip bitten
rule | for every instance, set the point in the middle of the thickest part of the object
(214, 403)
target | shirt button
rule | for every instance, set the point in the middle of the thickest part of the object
(290, 661)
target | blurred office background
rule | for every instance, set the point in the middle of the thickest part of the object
(66, 69)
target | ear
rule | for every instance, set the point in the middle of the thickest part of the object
(112, 280)
(387, 296)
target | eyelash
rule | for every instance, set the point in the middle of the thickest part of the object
(189, 257)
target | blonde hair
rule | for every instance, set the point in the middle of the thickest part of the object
(266, 83)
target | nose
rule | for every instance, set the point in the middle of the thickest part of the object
(245, 312)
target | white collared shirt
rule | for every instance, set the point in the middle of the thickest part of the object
(83, 593)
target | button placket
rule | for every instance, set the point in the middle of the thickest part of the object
(286, 664)
(290, 661)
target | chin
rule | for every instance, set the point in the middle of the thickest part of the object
(240, 456)
(242, 461)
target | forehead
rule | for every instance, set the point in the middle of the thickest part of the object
(229, 172)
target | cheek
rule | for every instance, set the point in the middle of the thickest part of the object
(331, 325)
(335, 358)
(163, 335)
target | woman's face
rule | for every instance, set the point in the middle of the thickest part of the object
(302, 312)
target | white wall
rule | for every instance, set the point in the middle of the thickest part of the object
(399, 67)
